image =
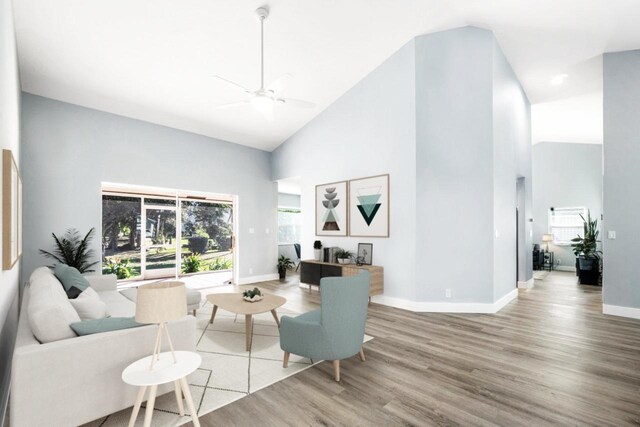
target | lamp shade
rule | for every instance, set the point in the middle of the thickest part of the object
(547, 237)
(161, 302)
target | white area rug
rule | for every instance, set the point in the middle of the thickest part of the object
(228, 372)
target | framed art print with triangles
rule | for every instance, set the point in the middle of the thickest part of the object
(369, 206)
(331, 209)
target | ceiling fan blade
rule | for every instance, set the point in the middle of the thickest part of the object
(297, 103)
(233, 104)
(279, 84)
(236, 85)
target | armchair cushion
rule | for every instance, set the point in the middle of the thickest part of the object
(311, 316)
(304, 336)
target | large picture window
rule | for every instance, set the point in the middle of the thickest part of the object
(151, 236)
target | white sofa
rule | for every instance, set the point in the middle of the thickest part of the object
(76, 380)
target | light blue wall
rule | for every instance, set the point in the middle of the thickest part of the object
(370, 130)
(69, 150)
(473, 143)
(511, 162)
(621, 281)
(565, 175)
(447, 199)
(10, 140)
(454, 158)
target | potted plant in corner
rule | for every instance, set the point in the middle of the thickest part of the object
(317, 249)
(73, 250)
(284, 263)
(344, 257)
(586, 251)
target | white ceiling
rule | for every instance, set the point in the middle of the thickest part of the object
(154, 59)
(576, 119)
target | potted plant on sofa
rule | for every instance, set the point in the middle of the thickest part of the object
(586, 251)
(284, 264)
(343, 256)
(317, 249)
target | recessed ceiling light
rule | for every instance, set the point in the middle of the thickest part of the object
(559, 79)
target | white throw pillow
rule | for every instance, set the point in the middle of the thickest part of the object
(50, 312)
(89, 306)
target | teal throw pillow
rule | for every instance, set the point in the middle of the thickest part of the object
(72, 280)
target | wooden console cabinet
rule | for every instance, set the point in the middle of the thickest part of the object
(311, 271)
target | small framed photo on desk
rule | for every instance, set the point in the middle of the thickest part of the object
(365, 253)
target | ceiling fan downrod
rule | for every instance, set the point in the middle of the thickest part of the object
(262, 13)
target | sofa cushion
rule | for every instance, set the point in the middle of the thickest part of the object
(50, 312)
(40, 271)
(72, 280)
(193, 297)
(95, 326)
(89, 305)
(117, 305)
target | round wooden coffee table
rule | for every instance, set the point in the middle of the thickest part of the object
(234, 303)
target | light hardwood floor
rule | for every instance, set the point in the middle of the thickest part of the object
(549, 358)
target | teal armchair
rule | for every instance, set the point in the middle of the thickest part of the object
(336, 330)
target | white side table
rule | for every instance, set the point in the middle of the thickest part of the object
(164, 371)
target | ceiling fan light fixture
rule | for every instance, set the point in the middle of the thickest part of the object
(558, 80)
(263, 104)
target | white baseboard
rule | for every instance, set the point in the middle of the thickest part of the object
(446, 307)
(256, 279)
(499, 305)
(566, 268)
(618, 310)
(529, 284)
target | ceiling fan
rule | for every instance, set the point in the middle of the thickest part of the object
(266, 98)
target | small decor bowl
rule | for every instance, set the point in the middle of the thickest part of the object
(253, 295)
(255, 298)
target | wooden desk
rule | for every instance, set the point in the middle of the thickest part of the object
(311, 271)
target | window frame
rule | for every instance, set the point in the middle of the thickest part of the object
(551, 223)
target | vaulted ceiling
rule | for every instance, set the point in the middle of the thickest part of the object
(155, 60)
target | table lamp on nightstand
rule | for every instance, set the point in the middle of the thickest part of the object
(547, 238)
(160, 303)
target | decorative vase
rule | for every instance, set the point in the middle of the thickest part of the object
(318, 253)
